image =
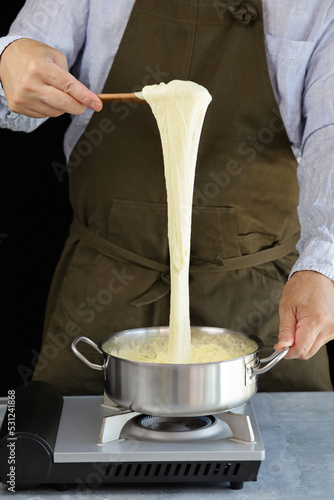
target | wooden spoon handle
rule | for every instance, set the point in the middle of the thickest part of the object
(131, 97)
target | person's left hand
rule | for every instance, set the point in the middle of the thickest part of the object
(306, 314)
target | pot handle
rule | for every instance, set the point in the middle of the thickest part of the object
(82, 357)
(270, 360)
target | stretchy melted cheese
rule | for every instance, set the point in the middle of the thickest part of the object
(179, 108)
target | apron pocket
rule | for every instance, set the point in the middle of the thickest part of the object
(214, 234)
(140, 227)
(256, 242)
(252, 243)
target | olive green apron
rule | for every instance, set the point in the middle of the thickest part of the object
(114, 271)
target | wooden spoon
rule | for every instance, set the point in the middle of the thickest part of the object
(131, 97)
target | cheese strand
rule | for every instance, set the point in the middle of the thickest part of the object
(179, 108)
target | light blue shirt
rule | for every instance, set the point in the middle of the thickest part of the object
(299, 39)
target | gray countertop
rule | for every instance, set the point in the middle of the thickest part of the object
(297, 431)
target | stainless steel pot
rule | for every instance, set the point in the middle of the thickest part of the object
(177, 389)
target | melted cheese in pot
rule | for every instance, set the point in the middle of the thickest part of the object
(179, 108)
(207, 348)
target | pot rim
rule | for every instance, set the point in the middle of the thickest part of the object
(164, 329)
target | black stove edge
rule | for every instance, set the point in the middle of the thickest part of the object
(90, 476)
(26, 448)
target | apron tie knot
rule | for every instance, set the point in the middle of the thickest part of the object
(245, 13)
(156, 292)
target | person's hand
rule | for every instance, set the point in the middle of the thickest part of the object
(306, 314)
(37, 83)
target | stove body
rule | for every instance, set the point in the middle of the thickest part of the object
(78, 440)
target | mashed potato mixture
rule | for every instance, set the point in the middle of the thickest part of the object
(204, 349)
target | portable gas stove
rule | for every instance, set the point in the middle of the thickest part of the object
(81, 440)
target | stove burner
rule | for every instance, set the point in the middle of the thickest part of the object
(173, 424)
(65, 431)
(169, 429)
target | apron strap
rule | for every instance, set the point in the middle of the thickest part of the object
(245, 261)
(162, 286)
(105, 247)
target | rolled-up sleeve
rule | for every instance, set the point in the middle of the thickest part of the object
(316, 167)
(60, 24)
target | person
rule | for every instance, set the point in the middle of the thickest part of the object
(263, 227)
